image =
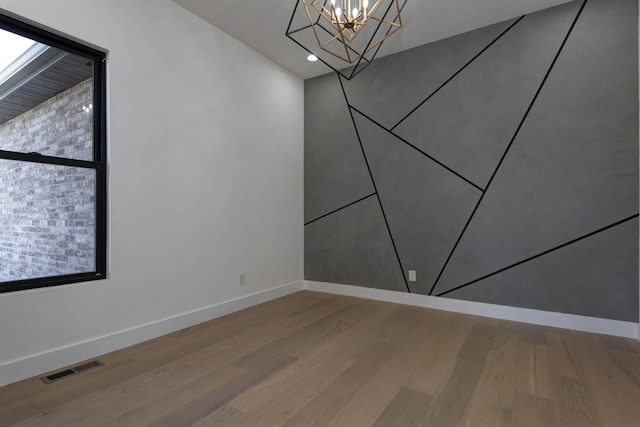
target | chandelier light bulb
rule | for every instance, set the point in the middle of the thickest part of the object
(338, 13)
(354, 12)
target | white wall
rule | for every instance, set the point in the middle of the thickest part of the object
(205, 175)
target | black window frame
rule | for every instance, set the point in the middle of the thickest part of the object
(99, 162)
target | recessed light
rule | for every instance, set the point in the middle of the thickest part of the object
(312, 58)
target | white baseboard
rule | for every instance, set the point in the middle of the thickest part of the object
(38, 364)
(536, 317)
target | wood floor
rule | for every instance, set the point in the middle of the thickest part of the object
(314, 359)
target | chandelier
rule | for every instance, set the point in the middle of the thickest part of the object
(344, 31)
(347, 21)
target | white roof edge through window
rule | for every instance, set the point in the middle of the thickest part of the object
(23, 60)
(12, 46)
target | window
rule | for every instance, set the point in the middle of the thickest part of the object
(52, 159)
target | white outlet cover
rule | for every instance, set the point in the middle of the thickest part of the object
(412, 275)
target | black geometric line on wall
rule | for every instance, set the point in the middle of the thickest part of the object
(468, 181)
(339, 209)
(531, 258)
(457, 72)
(373, 181)
(504, 155)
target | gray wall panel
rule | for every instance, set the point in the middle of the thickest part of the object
(335, 173)
(353, 247)
(574, 165)
(425, 219)
(579, 279)
(382, 90)
(469, 123)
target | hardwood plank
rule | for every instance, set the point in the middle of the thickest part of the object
(407, 408)
(224, 416)
(533, 334)
(533, 375)
(561, 362)
(277, 402)
(294, 395)
(367, 404)
(629, 364)
(449, 406)
(573, 404)
(19, 412)
(608, 386)
(320, 410)
(532, 411)
(492, 398)
(209, 402)
(434, 369)
(617, 343)
(308, 336)
(164, 402)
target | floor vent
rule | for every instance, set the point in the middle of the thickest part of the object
(72, 371)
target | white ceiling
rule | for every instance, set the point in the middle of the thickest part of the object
(261, 24)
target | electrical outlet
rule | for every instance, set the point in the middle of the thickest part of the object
(243, 279)
(412, 275)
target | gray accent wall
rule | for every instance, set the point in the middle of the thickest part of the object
(501, 165)
(353, 246)
(480, 109)
(335, 172)
(398, 83)
(424, 217)
(586, 269)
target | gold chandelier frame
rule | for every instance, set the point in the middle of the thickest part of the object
(336, 25)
